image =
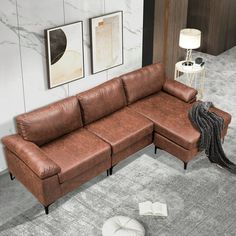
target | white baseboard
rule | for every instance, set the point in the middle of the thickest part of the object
(3, 172)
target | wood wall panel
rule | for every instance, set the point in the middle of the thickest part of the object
(231, 39)
(216, 19)
(158, 38)
(170, 18)
(198, 18)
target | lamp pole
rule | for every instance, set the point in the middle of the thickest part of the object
(189, 57)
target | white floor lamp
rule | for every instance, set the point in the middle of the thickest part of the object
(189, 39)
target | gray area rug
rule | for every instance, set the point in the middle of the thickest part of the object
(201, 200)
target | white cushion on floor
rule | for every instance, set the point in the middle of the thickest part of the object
(122, 226)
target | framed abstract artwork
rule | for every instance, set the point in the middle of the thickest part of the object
(65, 54)
(106, 41)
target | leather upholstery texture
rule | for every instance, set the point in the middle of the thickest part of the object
(179, 90)
(174, 149)
(170, 117)
(45, 190)
(102, 100)
(61, 146)
(143, 82)
(225, 115)
(121, 129)
(50, 122)
(77, 152)
(33, 156)
(142, 143)
(84, 177)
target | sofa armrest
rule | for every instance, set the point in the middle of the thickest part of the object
(34, 157)
(179, 90)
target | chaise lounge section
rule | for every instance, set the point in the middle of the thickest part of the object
(167, 107)
(65, 144)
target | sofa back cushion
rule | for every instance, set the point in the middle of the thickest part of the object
(143, 82)
(50, 122)
(102, 100)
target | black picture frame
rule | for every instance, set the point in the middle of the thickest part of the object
(93, 38)
(68, 54)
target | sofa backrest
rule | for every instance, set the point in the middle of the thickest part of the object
(102, 100)
(143, 82)
(50, 122)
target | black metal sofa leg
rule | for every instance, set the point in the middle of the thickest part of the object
(155, 151)
(46, 208)
(108, 172)
(11, 176)
(111, 169)
(185, 165)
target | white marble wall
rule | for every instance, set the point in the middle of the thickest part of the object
(23, 76)
(11, 87)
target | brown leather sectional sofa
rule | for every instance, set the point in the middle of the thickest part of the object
(61, 146)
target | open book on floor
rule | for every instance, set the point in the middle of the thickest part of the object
(153, 209)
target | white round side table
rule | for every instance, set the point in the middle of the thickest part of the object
(194, 76)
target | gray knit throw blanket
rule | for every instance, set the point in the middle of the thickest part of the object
(210, 126)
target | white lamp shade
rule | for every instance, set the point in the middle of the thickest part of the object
(190, 38)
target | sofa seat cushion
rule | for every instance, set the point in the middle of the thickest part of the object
(77, 152)
(122, 128)
(170, 117)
